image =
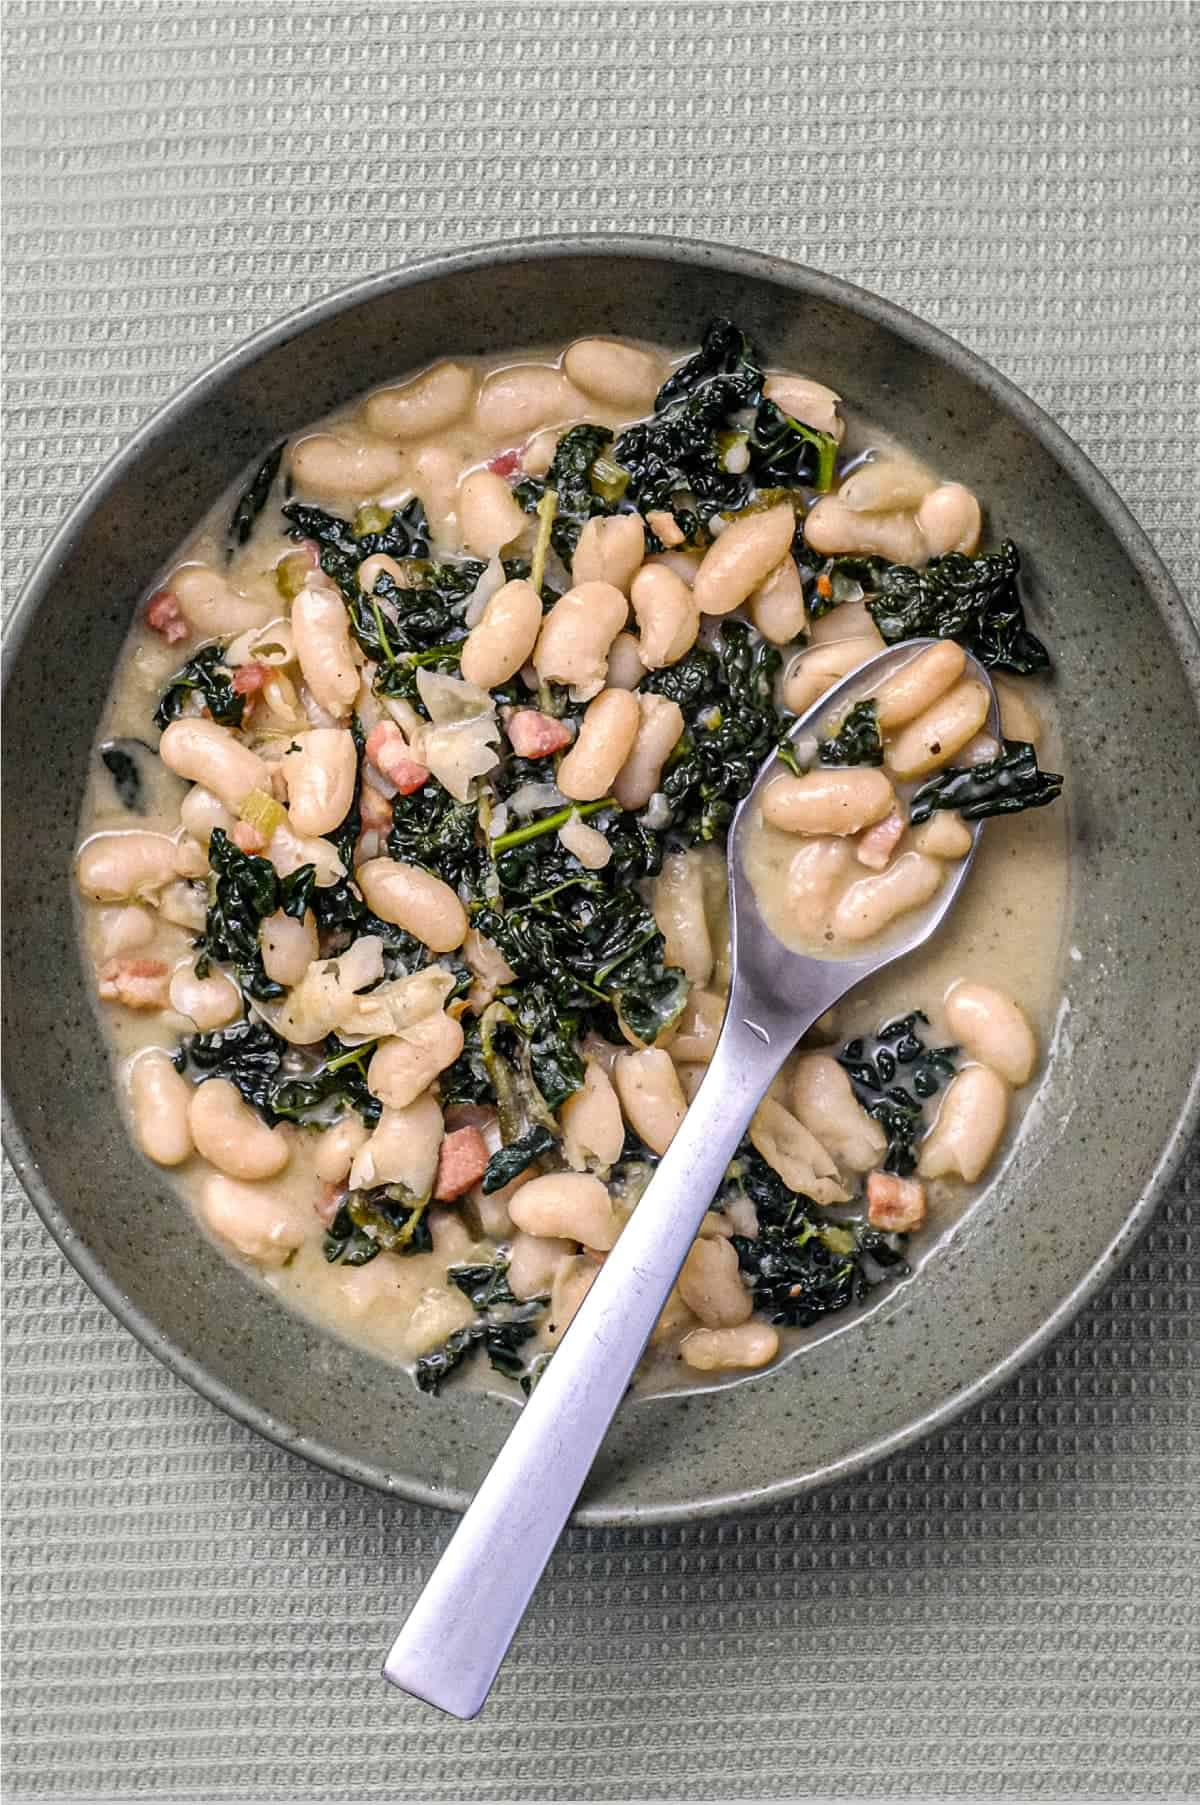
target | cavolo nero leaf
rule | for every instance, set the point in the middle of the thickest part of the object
(784, 451)
(1003, 785)
(570, 476)
(243, 890)
(253, 499)
(971, 599)
(857, 741)
(510, 1161)
(207, 676)
(875, 1069)
(342, 544)
(282, 1083)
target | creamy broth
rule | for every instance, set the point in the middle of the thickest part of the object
(1006, 931)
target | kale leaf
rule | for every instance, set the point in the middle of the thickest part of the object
(875, 1067)
(244, 890)
(510, 1161)
(391, 1216)
(570, 476)
(857, 740)
(249, 1054)
(126, 773)
(280, 1082)
(341, 1078)
(725, 351)
(431, 829)
(345, 1241)
(484, 1285)
(501, 1340)
(343, 544)
(253, 500)
(786, 453)
(206, 674)
(1003, 785)
(973, 600)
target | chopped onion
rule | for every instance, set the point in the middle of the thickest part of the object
(657, 813)
(499, 821)
(491, 579)
(460, 740)
(555, 572)
(529, 797)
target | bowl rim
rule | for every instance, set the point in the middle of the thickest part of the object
(801, 279)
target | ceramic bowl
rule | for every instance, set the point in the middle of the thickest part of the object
(1093, 1153)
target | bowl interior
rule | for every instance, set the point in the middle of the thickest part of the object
(1074, 1188)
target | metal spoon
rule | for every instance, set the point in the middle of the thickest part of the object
(451, 1647)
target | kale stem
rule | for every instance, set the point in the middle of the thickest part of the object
(549, 824)
(381, 630)
(607, 970)
(352, 1056)
(547, 508)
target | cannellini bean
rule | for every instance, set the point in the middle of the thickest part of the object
(336, 1149)
(337, 464)
(288, 852)
(488, 514)
(426, 404)
(573, 1206)
(288, 945)
(992, 1029)
(969, 1125)
(618, 374)
(512, 402)
(815, 671)
(625, 667)
(889, 484)
(777, 606)
(405, 1064)
(845, 620)
(667, 616)
(208, 754)
(538, 454)
(651, 1100)
(267, 647)
(112, 867)
(695, 1040)
(123, 930)
(942, 730)
(435, 475)
(185, 905)
(504, 636)
(573, 644)
(710, 1284)
(836, 800)
(675, 1319)
(262, 1224)
(201, 811)
(743, 558)
(807, 401)
(950, 520)
(815, 874)
(593, 1131)
(981, 749)
(402, 1149)
(747, 1344)
(229, 1135)
(380, 565)
(606, 737)
(158, 1101)
(320, 768)
(191, 858)
(792, 1150)
(944, 836)
(665, 527)
(680, 916)
(572, 1282)
(587, 844)
(491, 969)
(325, 650)
(211, 1002)
(824, 1100)
(533, 1263)
(895, 1205)
(832, 527)
(869, 905)
(439, 1312)
(1019, 719)
(414, 900)
(659, 731)
(901, 697)
(611, 549)
(212, 606)
(452, 1239)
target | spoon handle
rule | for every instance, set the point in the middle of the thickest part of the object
(458, 1632)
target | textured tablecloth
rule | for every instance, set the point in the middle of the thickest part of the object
(1010, 1609)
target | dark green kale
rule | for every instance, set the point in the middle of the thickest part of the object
(1003, 785)
(249, 1054)
(391, 1216)
(467, 1081)
(126, 773)
(486, 1286)
(974, 600)
(570, 476)
(340, 1078)
(253, 500)
(243, 890)
(346, 1242)
(844, 579)
(510, 1161)
(728, 700)
(280, 1082)
(875, 1067)
(857, 740)
(506, 1048)
(725, 351)
(206, 675)
(343, 544)
(785, 453)
(431, 829)
(501, 1340)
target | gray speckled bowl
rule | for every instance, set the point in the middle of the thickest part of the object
(1084, 1174)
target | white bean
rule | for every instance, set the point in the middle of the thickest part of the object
(185, 905)
(208, 754)
(1019, 719)
(651, 1099)
(807, 401)
(777, 606)
(611, 549)
(573, 1206)
(123, 930)
(425, 404)
(379, 565)
(836, 800)
(993, 1029)
(824, 1100)
(513, 402)
(818, 669)
(832, 527)
(789, 1148)
(691, 1077)
(325, 650)
(618, 374)
(288, 852)
(271, 646)
(593, 1132)
(414, 900)
(743, 558)
(681, 918)
(229, 1135)
(667, 616)
(533, 1264)
(212, 606)
(402, 1149)
(942, 730)
(606, 736)
(659, 730)
(845, 620)
(747, 1344)
(338, 464)
(320, 768)
(969, 1125)
(435, 476)
(504, 636)
(944, 836)
(262, 1224)
(815, 874)
(201, 811)
(587, 844)
(191, 858)
(711, 1285)
(901, 697)
(572, 1282)
(288, 945)
(695, 1039)
(488, 514)
(158, 1101)
(211, 1002)
(893, 483)
(573, 644)
(869, 905)
(950, 520)
(405, 1064)
(337, 1148)
(625, 667)
(537, 454)
(113, 867)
